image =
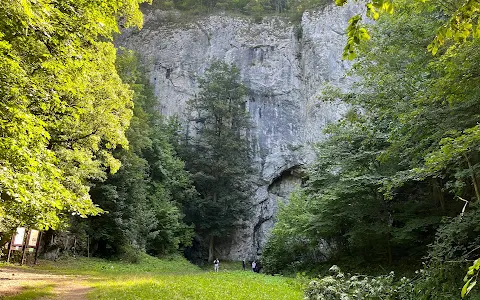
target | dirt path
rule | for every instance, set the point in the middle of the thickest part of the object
(68, 287)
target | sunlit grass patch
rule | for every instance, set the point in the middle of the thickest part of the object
(32, 292)
(207, 285)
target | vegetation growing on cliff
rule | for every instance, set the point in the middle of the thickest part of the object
(249, 7)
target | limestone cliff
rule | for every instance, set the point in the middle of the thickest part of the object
(284, 66)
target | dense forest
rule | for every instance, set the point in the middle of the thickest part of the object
(396, 183)
(395, 186)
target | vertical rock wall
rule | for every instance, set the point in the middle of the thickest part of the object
(284, 66)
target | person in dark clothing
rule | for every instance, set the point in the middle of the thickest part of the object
(258, 267)
(243, 264)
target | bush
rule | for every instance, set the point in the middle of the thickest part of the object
(130, 254)
(457, 244)
(346, 287)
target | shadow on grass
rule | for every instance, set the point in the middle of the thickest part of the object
(32, 292)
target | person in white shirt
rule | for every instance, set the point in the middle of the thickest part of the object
(216, 264)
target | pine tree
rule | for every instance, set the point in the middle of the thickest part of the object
(218, 154)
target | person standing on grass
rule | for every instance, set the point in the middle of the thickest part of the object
(216, 264)
(254, 266)
(243, 264)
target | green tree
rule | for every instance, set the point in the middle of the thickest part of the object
(460, 22)
(342, 215)
(218, 154)
(434, 133)
(413, 145)
(144, 199)
(430, 102)
(63, 107)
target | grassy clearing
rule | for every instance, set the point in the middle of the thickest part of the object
(205, 285)
(172, 278)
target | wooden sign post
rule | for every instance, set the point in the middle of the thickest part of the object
(18, 240)
(24, 240)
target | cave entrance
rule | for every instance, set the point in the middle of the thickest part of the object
(289, 180)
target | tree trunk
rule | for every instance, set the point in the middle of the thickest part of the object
(211, 244)
(210, 250)
(437, 193)
(389, 249)
(472, 175)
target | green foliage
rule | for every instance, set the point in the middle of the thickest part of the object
(431, 106)
(398, 161)
(356, 34)
(471, 278)
(218, 153)
(144, 198)
(63, 107)
(463, 23)
(290, 249)
(347, 287)
(249, 7)
(429, 283)
(341, 213)
(430, 103)
(456, 246)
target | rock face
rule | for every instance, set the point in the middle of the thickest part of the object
(284, 65)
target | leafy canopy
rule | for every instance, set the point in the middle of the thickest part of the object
(398, 161)
(63, 107)
(144, 199)
(461, 22)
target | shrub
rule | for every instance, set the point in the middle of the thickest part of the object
(346, 287)
(130, 254)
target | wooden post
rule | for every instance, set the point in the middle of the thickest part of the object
(210, 249)
(25, 241)
(88, 246)
(38, 246)
(472, 175)
(10, 248)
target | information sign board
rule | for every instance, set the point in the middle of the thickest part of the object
(19, 237)
(33, 238)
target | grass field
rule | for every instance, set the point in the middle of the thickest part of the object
(153, 278)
